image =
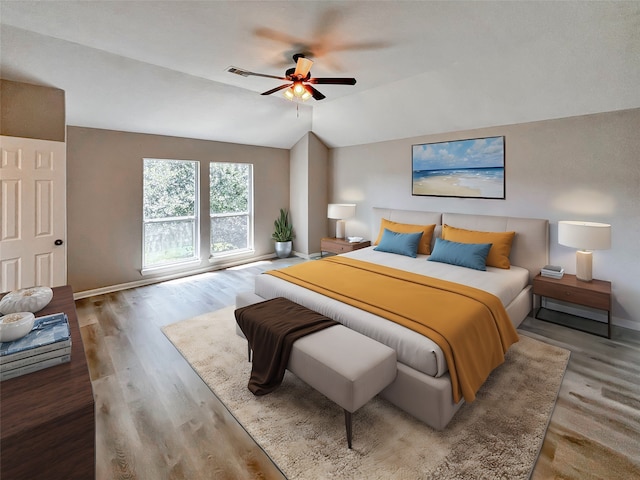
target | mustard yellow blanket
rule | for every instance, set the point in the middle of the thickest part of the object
(470, 325)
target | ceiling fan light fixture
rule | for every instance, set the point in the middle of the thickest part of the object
(307, 94)
(297, 90)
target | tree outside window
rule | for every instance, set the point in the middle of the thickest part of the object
(231, 207)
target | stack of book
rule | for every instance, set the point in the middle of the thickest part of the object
(47, 344)
(552, 271)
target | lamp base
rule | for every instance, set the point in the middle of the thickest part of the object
(584, 264)
(340, 228)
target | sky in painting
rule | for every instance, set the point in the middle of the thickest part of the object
(477, 153)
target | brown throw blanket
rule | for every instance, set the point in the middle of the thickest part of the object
(271, 327)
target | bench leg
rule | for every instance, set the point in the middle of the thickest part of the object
(347, 423)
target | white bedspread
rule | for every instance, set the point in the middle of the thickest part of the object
(413, 349)
(504, 284)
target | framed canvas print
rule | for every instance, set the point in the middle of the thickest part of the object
(462, 168)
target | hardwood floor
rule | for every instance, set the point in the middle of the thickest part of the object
(155, 418)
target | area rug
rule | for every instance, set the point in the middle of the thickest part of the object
(499, 435)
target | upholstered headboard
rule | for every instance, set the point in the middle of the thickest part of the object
(406, 216)
(530, 248)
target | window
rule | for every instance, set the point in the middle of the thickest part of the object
(231, 207)
(170, 212)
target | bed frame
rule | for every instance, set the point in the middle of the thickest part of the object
(428, 398)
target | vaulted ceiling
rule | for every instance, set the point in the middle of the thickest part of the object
(422, 67)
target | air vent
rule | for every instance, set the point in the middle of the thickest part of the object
(237, 71)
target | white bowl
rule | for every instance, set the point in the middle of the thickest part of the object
(30, 299)
(15, 326)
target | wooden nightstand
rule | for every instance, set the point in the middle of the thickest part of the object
(340, 245)
(594, 294)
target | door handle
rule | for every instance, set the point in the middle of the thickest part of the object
(58, 242)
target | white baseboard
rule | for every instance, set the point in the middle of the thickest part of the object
(586, 312)
(170, 276)
(621, 322)
(573, 309)
(307, 256)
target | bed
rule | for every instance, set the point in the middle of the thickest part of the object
(423, 385)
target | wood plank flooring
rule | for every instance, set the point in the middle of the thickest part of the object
(155, 418)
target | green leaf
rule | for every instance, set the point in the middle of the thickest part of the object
(283, 229)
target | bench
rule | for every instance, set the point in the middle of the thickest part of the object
(345, 366)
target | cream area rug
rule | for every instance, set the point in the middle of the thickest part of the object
(498, 436)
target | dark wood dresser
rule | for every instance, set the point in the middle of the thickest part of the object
(47, 420)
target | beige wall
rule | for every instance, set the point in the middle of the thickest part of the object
(579, 168)
(299, 196)
(31, 111)
(318, 192)
(309, 163)
(104, 198)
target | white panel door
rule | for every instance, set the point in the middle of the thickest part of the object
(33, 222)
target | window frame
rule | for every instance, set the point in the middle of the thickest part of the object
(250, 249)
(197, 220)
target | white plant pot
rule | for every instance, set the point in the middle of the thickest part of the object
(283, 249)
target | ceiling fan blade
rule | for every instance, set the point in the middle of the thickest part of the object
(303, 65)
(314, 93)
(332, 81)
(245, 73)
(277, 89)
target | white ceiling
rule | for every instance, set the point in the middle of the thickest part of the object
(421, 67)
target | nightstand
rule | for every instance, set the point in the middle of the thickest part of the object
(594, 294)
(341, 245)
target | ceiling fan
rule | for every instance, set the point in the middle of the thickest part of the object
(299, 79)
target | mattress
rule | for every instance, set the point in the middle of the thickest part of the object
(413, 349)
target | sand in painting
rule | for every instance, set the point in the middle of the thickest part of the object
(460, 184)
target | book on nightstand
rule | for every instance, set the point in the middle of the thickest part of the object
(552, 271)
(47, 344)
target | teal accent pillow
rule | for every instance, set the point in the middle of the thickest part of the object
(470, 255)
(400, 243)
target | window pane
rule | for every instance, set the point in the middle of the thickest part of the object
(230, 203)
(229, 233)
(169, 242)
(170, 212)
(229, 187)
(169, 188)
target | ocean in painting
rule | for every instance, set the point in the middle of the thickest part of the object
(460, 182)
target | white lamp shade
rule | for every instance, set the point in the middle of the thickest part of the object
(340, 211)
(584, 235)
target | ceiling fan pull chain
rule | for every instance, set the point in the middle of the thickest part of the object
(297, 110)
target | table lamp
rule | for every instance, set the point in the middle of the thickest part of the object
(585, 236)
(340, 211)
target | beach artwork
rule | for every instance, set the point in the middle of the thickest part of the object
(462, 168)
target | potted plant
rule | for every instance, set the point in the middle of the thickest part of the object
(283, 234)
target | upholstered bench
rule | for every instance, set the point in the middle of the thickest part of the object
(345, 366)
